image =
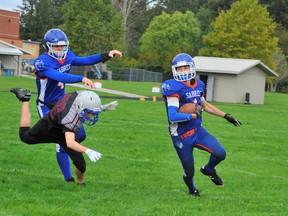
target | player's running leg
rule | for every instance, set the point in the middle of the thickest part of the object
(209, 143)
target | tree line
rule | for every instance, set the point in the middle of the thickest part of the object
(152, 32)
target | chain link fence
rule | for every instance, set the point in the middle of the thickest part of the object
(137, 75)
(99, 72)
(123, 74)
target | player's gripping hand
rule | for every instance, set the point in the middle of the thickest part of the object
(198, 110)
(110, 106)
(112, 53)
(88, 83)
(93, 155)
(232, 120)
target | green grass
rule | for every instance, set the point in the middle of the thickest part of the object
(145, 88)
(139, 173)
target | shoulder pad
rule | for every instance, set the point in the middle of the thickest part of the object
(170, 87)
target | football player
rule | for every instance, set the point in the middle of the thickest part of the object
(61, 124)
(186, 130)
(52, 72)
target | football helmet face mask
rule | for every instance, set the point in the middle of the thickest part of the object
(180, 60)
(88, 105)
(56, 37)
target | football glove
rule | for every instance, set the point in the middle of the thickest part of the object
(93, 155)
(198, 110)
(232, 120)
(110, 106)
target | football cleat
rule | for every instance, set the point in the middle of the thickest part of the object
(22, 95)
(195, 193)
(81, 184)
(214, 177)
(71, 179)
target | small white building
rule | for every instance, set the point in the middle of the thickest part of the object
(11, 58)
(233, 80)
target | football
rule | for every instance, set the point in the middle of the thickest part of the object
(188, 108)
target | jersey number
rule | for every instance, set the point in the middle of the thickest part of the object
(59, 106)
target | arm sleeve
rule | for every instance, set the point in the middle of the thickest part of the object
(87, 60)
(173, 114)
(62, 77)
(105, 57)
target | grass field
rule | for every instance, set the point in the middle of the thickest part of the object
(139, 173)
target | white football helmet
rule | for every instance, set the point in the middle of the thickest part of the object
(88, 105)
(183, 59)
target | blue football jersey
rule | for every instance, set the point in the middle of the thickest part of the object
(52, 74)
(185, 93)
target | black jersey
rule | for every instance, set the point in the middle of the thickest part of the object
(52, 127)
(64, 114)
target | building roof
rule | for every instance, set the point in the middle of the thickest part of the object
(9, 49)
(229, 65)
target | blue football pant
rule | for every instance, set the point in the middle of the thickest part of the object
(202, 140)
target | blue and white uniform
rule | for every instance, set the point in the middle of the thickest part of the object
(181, 122)
(52, 74)
(186, 132)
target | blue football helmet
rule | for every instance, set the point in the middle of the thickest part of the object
(88, 105)
(56, 37)
(183, 59)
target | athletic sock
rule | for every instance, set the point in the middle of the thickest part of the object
(210, 167)
(190, 183)
(64, 164)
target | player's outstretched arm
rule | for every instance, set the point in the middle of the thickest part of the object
(211, 108)
(215, 111)
(71, 143)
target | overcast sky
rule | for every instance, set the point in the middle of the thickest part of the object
(9, 4)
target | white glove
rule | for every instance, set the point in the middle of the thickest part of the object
(93, 155)
(110, 106)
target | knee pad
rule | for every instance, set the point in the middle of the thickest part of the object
(220, 155)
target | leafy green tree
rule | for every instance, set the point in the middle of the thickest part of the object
(278, 9)
(166, 36)
(92, 26)
(281, 69)
(245, 31)
(38, 16)
(205, 10)
(282, 34)
(208, 10)
(170, 6)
